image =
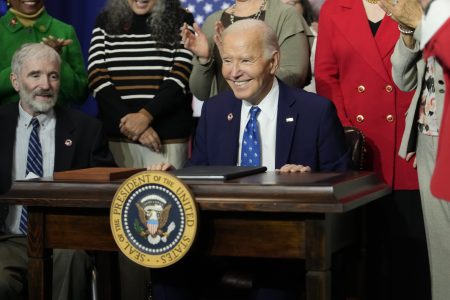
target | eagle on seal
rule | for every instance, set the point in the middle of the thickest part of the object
(154, 218)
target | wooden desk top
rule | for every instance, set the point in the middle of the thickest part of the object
(266, 192)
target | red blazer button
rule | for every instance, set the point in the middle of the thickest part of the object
(389, 88)
(361, 89)
(360, 118)
(390, 118)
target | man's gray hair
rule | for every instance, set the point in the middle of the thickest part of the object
(269, 40)
(35, 51)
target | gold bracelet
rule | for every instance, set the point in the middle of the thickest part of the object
(405, 30)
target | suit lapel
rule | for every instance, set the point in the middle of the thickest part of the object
(64, 140)
(233, 128)
(286, 123)
(10, 119)
(353, 23)
(386, 37)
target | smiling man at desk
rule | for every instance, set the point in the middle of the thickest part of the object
(264, 122)
(40, 138)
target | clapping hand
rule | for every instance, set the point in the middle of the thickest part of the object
(197, 42)
(56, 43)
(406, 12)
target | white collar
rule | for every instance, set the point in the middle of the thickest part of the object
(43, 118)
(268, 105)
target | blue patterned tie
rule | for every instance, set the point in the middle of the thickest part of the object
(251, 147)
(34, 164)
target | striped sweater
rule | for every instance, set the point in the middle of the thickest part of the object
(128, 72)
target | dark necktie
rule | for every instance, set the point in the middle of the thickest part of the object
(251, 141)
(34, 164)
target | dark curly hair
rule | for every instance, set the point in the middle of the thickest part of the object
(164, 21)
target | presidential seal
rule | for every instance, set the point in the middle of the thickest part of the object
(153, 219)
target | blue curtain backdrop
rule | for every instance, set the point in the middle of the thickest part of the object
(82, 13)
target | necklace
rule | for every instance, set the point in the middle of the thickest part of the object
(256, 16)
(372, 1)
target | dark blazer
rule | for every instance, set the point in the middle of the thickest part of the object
(314, 137)
(88, 146)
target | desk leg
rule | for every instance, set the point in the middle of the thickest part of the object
(40, 259)
(318, 261)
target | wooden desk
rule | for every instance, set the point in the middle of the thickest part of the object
(303, 214)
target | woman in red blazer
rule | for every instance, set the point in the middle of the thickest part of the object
(353, 69)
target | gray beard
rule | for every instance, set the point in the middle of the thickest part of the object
(37, 106)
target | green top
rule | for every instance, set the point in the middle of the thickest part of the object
(73, 73)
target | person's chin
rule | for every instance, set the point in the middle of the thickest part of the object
(44, 106)
(242, 90)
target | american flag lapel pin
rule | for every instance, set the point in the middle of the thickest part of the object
(290, 119)
(230, 117)
(68, 142)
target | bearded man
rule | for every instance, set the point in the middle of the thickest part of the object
(39, 138)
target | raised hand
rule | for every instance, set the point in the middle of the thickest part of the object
(56, 43)
(197, 42)
(406, 12)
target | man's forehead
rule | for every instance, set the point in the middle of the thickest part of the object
(40, 65)
(241, 43)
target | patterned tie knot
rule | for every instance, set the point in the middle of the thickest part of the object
(35, 123)
(254, 112)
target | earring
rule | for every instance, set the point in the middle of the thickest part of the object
(8, 3)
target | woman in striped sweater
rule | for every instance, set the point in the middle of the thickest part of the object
(139, 73)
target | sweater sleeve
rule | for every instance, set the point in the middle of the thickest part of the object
(6, 88)
(176, 82)
(100, 84)
(404, 60)
(73, 73)
(295, 68)
(202, 76)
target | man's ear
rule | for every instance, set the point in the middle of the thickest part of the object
(274, 62)
(14, 81)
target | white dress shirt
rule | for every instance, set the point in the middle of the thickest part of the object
(47, 137)
(267, 120)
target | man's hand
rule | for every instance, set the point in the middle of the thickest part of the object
(150, 139)
(288, 168)
(164, 166)
(56, 43)
(134, 124)
(197, 43)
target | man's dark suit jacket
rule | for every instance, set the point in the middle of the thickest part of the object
(88, 146)
(308, 132)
